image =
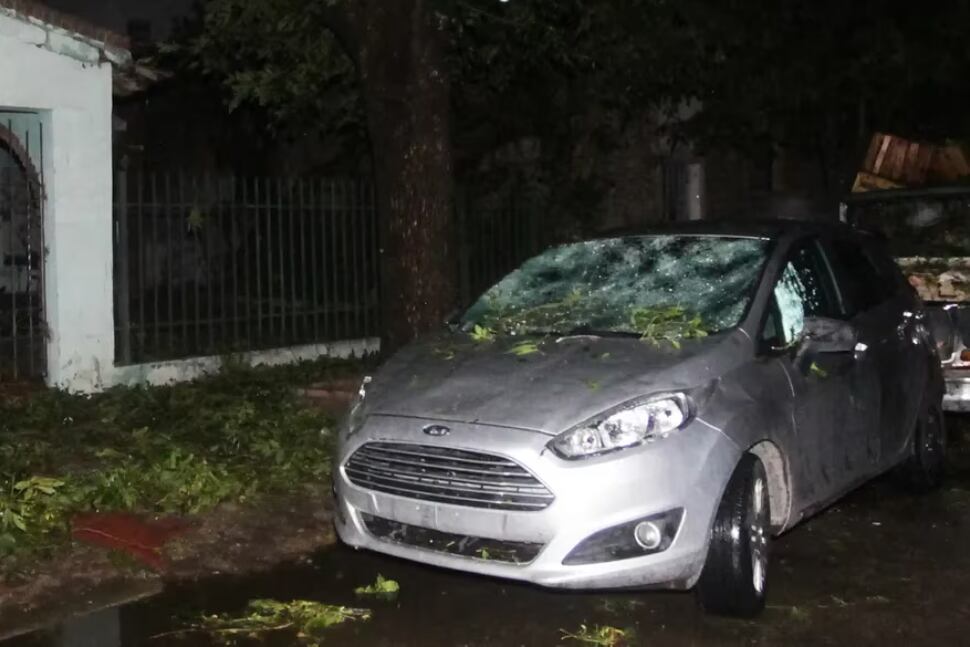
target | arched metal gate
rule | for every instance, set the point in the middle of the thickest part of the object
(22, 331)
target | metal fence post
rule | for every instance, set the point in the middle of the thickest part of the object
(122, 291)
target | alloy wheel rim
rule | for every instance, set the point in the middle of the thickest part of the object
(758, 535)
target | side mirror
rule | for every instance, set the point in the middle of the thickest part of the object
(825, 335)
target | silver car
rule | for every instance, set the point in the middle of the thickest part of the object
(647, 411)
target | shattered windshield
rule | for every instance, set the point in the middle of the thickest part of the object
(927, 226)
(668, 287)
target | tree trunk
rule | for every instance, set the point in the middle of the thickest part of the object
(407, 99)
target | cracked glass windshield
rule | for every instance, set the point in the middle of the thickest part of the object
(657, 287)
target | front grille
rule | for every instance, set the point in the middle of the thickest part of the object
(446, 475)
(496, 550)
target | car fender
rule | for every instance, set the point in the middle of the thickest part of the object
(755, 413)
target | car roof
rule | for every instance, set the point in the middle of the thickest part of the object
(771, 229)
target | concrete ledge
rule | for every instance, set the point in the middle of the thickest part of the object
(65, 34)
(189, 369)
(99, 597)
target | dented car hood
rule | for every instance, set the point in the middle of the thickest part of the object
(564, 383)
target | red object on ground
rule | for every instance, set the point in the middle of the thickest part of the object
(138, 537)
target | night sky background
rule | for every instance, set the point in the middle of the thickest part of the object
(115, 14)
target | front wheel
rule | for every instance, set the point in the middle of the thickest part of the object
(735, 573)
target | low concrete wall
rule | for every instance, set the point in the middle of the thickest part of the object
(190, 369)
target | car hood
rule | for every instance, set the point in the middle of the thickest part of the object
(449, 377)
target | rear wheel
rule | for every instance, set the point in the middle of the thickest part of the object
(924, 469)
(735, 574)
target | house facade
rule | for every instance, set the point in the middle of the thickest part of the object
(55, 237)
(59, 222)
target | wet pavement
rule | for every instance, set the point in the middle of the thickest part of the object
(880, 567)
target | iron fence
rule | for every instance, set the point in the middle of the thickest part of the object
(218, 265)
(209, 266)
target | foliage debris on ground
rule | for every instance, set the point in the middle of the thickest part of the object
(603, 636)
(179, 449)
(381, 588)
(305, 619)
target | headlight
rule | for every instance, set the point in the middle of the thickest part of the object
(626, 427)
(356, 416)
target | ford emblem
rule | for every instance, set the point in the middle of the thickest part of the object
(437, 430)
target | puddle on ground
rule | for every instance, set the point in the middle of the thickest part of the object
(879, 566)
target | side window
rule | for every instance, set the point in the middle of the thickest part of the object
(865, 283)
(804, 289)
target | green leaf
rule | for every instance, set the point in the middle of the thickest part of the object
(18, 522)
(818, 371)
(47, 485)
(482, 334)
(524, 348)
(382, 587)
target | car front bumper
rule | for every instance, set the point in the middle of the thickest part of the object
(956, 398)
(687, 470)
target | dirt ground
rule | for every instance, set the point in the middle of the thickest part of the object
(230, 540)
(882, 567)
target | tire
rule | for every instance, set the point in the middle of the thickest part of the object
(925, 468)
(734, 578)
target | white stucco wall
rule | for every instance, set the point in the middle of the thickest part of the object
(43, 69)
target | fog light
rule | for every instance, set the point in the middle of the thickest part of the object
(653, 534)
(648, 535)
